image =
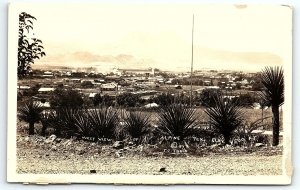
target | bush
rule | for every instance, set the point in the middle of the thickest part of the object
(177, 121)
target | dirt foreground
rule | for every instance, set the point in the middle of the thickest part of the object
(38, 155)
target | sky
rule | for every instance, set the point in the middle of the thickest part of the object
(104, 36)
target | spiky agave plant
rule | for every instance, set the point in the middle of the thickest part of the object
(66, 120)
(225, 117)
(177, 120)
(137, 125)
(30, 113)
(273, 80)
(103, 121)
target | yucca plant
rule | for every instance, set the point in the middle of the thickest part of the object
(103, 121)
(83, 124)
(273, 80)
(137, 125)
(177, 120)
(30, 113)
(66, 120)
(225, 117)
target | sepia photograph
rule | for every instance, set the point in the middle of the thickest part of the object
(149, 93)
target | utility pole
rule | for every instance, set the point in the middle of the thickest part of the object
(191, 76)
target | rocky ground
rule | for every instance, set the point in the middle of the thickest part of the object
(39, 155)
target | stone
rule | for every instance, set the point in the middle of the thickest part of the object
(163, 169)
(26, 139)
(259, 145)
(50, 139)
(81, 151)
(118, 145)
(54, 148)
(67, 143)
(93, 171)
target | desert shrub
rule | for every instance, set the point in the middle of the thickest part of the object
(30, 113)
(137, 125)
(245, 131)
(225, 117)
(177, 121)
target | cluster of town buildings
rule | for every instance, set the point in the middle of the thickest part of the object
(145, 82)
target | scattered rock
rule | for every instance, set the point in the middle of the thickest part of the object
(67, 143)
(118, 145)
(259, 145)
(118, 154)
(130, 143)
(93, 144)
(50, 139)
(80, 150)
(141, 148)
(163, 169)
(58, 140)
(214, 146)
(54, 148)
(93, 171)
(26, 139)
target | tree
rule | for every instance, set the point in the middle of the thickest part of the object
(127, 99)
(247, 99)
(30, 113)
(225, 116)
(273, 80)
(29, 48)
(164, 99)
(208, 96)
(62, 98)
(97, 99)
